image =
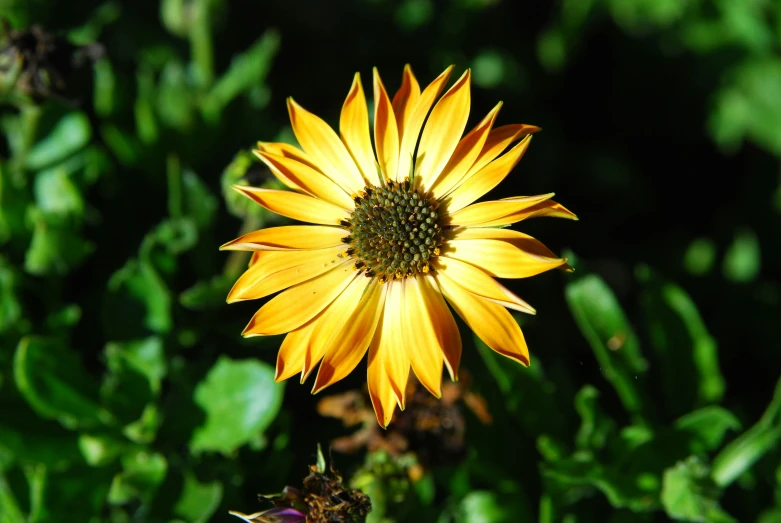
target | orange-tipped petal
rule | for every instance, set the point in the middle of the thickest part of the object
(486, 178)
(479, 283)
(302, 176)
(295, 206)
(502, 253)
(491, 322)
(406, 99)
(299, 304)
(423, 337)
(288, 237)
(443, 131)
(350, 343)
(386, 132)
(354, 128)
(482, 213)
(324, 147)
(467, 151)
(292, 352)
(414, 124)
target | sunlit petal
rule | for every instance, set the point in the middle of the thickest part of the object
(354, 128)
(386, 133)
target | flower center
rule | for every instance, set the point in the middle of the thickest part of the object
(394, 231)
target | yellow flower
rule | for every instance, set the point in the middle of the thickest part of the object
(394, 238)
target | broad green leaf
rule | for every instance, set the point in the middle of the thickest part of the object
(137, 296)
(240, 399)
(481, 506)
(25, 437)
(687, 495)
(133, 381)
(142, 473)
(604, 325)
(198, 501)
(99, 450)
(54, 383)
(247, 70)
(742, 259)
(55, 248)
(69, 135)
(708, 425)
(56, 194)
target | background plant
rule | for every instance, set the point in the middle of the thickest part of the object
(126, 392)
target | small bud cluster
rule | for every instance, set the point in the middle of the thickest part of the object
(394, 231)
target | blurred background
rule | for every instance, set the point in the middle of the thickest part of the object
(126, 390)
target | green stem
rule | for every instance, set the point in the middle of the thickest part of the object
(201, 42)
(174, 175)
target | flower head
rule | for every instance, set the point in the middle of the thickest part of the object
(396, 234)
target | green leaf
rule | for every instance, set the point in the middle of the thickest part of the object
(57, 195)
(240, 399)
(174, 99)
(700, 256)
(206, 295)
(482, 506)
(142, 473)
(741, 453)
(55, 248)
(10, 307)
(136, 369)
(70, 134)
(742, 259)
(199, 203)
(248, 70)
(595, 426)
(10, 512)
(198, 501)
(138, 296)
(100, 450)
(50, 377)
(687, 495)
(708, 425)
(604, 325)
(235, 173)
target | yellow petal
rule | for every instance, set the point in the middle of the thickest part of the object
(467, 151)
(489, 321)
(263, 281)
(442, 131)
(324, 147)
(295, 205)
(292, 352)
(486, 178)
(386, 132)
(349, 344)
(388, 357)
(413, 125)
(297, 305)
(502, 253)
(547, 208)
(422, 335)
(479, 214)
(299, 175)
(293, 237)
(331, 321)
(498, 140)
(447, 330)
(479, 283)
(354, 128)
(405, 99)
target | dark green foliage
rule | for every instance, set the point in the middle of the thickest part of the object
(126, 391)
